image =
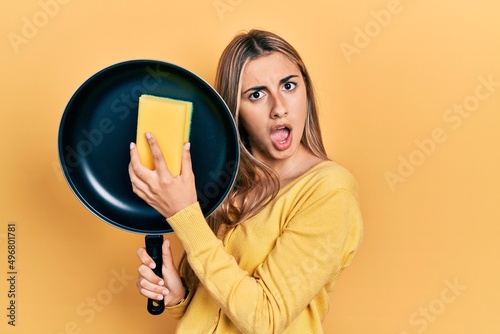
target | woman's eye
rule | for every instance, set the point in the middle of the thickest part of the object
(289, 85)
(256, 95)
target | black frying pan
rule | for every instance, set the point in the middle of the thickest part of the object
(100, 121)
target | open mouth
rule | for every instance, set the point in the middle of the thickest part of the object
(281, 136)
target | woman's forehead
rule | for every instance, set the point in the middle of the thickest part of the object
(274, 65)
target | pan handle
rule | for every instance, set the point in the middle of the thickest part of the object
(153, 247)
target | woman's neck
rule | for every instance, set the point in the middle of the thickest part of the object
(296, 165)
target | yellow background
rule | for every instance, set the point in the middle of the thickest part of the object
(389, 86)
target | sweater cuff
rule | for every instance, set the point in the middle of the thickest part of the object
(177, 311)
(191, 227)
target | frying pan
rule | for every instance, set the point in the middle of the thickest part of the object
(100, 121)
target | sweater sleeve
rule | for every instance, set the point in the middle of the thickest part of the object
(177, 311)
(316, 244)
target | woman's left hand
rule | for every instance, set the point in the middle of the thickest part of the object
(162, 191)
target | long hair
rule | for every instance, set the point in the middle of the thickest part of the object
(253, 175)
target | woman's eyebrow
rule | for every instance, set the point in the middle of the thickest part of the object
(256, 88)
(286, 79)
(282, 81)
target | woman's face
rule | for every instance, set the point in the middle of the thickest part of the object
(273, 107)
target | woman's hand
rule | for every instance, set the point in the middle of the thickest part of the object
(162, 191)
(170, 287)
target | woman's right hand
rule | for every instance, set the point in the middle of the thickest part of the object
(169, 288)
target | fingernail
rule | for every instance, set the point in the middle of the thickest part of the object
(148, 135)
(152, 265)
(132, 145)
(160, 297)
(187, 146)
(161, 283)
(165, 292)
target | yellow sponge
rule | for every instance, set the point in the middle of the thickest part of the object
(169, 121)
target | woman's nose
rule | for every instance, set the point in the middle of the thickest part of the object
(279, 110)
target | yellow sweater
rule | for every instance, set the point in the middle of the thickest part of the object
(274, 272)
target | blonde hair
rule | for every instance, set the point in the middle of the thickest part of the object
(253, 175)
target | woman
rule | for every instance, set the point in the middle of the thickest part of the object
(269, 256)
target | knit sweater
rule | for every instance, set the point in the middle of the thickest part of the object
(274, 272)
